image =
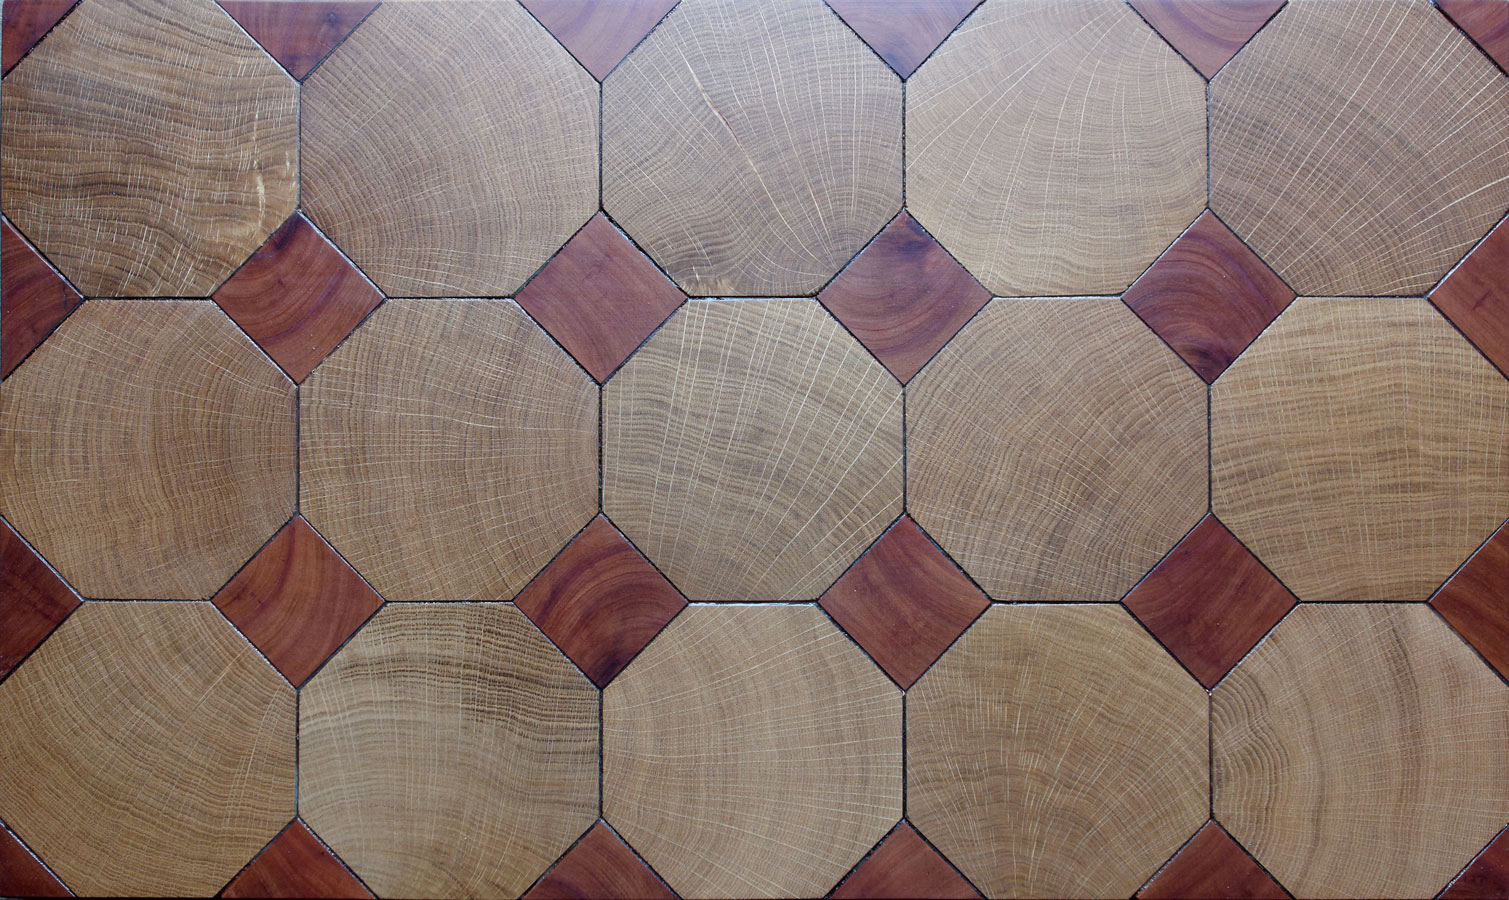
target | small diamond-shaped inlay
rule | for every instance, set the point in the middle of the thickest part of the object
(34, 298)
(904, 602)
(296, 865)
(1485, 21)
(298, 297)
(599, 34)
(22, 874)
(1212, 865)
(904, 865)
(1487, 876)
(26, 21)
(600, 601)
(1475, 296)
(1210, 601)
(600, 297)
(1208, 296)
(297, 600)
(1207, 34)
(1475, 603)
(603, 867)
(903, 33)
(904, 297)
(299, 35)
(33, 599)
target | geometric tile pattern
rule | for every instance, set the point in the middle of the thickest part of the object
(1360, 752)
(147, 449)
(530, 576)
(752, 450)
(295, 865)
(1209, 601)
(448, 751)
(600, 601)
(1212, 865)
(1342, 168)
(1057, 751)
(782, 790)
(751, 99)
(1059, 185)
(436, 218)
(148, 750)
(448, 449)
(297, 297)
(1207, 34)
(34, 299)
(131, 184)
(1093, 434)
(1208, 296)
(1360, 448)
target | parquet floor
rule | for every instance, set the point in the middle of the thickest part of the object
(754, 448)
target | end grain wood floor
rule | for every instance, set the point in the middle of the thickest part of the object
(754, 448)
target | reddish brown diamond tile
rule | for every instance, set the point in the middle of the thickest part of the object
(1475, 296)
(600, 601)
(297, 600)
(21, 875)
(299, 34)
(1485, 21)
(25, 23)
(1212, 866)
(1209, 601)
(34, 298)
(1207, 33)
(904, 602)
(904, 866)
(1486, 877)
(600, 297)
(903, 33)
(599, 34)
(296, 864)
(1208, 296)
(1476, 602)
(600, 867)
(904, 297)
(33, 600)
(298, 297)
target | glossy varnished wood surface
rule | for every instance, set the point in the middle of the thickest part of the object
(1345, 170)
(1055, 147)
(752, 450)
(752, 750)
(1057, 751)
(449, 147)
(1361, 449)
(1355, 715)
(1094, 437)
(132, 185)
(448, 449)
(161, 713)
(147, 449)
(449, 751)
(787, 141)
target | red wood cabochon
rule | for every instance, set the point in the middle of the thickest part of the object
(1212, 866)
(1207, 32)
(600, 867)
(1487, 876)
(295, 865)
(903, 33)
(599, 34)
(33, 298)
(26, 21)
(21, 875)
(1485, 21)
(1476, 601)
(1475, 296)
(299, 34)
(903, 865)
(33, 600)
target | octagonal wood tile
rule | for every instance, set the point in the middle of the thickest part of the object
(1361, 449)
(132, 185)
(1360, 752)
(1093, 436)
(450, 147)
(1057, 751)
(1055, 146)
(752, 751)
(1347, 171)
(752, 449)
(786, 135)
(147, 449)
(149, 751)
(449, 750)
(448, 449)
